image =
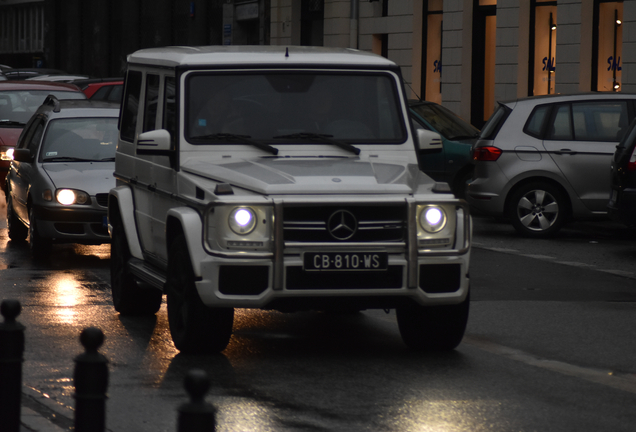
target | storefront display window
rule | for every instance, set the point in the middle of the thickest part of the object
(544, 56)
(433, 55)
(609, 46)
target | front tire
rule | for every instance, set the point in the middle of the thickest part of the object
(435, 328)
(128, 297)
(195, 328)
(537, 210)
(40, 246)
(18, 232)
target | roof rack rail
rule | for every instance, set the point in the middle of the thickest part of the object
(51, 100)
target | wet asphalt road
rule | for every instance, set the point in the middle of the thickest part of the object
(550, 346)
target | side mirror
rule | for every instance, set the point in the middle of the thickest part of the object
(428, 142)
(22, 155)
(154, 143)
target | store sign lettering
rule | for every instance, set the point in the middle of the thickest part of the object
(548, 64)
(437, 66)
(614, 64)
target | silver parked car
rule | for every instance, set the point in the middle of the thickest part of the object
(62, 171)
(543, 160)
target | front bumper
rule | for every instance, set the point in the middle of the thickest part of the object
(73, 224)
(280, 281)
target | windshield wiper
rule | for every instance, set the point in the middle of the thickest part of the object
(73, 159)
(11, 123)
(322, 138)
(245, 139)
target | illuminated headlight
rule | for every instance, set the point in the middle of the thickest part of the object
(71, 196)
(242, 220)
(433, 219)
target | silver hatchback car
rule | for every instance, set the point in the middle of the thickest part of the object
(541, 161)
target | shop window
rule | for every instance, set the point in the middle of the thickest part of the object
(543, 60)
(312, 22)
(483, 61)
(432, 76)
(608, 36)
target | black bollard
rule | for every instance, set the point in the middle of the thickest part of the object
(11, 357)
(91, 381)
(196, 415)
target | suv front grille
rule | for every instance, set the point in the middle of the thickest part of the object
(345, 223)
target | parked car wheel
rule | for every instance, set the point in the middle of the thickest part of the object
(40, 246)
(537, 210)
(195, 328)
(18, 232)
(436, 328)
(128, 297)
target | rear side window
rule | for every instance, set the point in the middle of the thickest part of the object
(130, 110)
(561, 126)
(534, 125)
(495, 122)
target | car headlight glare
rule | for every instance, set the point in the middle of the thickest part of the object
(432, 219)
(70, 196)
(242, 220)
(6, 153)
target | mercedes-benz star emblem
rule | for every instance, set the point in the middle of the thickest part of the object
(342, 225)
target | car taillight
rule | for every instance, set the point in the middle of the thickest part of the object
(486, 153)
(631, 165)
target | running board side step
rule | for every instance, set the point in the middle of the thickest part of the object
(147, 274)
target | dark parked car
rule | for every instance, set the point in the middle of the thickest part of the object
(453, 164)
(18, 102)
(61, 174)
(622, 203)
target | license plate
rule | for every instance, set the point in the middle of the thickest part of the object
(341, 261)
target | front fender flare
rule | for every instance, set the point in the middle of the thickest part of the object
(192, 228)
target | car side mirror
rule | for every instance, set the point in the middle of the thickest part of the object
(22, 155)
(155, 142)
(428, 142)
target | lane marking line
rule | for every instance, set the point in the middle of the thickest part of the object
(608, 378)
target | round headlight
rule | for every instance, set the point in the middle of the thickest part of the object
(432, 219)
(242, 220)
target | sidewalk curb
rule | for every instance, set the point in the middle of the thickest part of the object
(42, 414)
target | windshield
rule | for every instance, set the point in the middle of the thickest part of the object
(80, 139)
(445, 121)
(285, 107)
(19, 105)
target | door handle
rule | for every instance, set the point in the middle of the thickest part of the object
(565, 152)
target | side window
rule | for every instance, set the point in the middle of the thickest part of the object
(169, 107)
(129, 110)
(534, 125)
(150, 105)
(36, 137)
(560, 127)
(599, 121)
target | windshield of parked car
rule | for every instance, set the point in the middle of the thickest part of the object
(80, 140)
(19, 105)
(282, 107)
(445, 122)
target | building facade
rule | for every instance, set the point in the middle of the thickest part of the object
(464, 54)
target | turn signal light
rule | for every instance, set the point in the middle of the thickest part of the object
(486, 153)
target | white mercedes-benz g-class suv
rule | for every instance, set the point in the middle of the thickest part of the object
(282, 178)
